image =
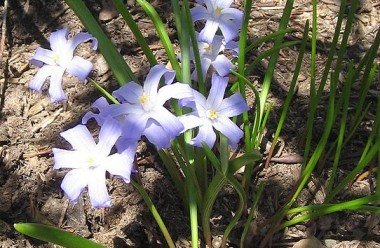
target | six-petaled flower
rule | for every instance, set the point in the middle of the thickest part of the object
(214, 112)
(218, 14)
(59, 59)
(90, 162)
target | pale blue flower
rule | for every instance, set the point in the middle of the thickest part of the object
(59, 59)
(142, 112)
(90, 162)
(212, 56)
(218, 14)
(214, 112)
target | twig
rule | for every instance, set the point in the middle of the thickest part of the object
(3, 31)
(2, 46)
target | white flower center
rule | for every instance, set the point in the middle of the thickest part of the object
(212, 114)
(56, 58)
(145, 102)
(90, 161)
(208, 48)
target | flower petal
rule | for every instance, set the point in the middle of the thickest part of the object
(39, 79)
(100, 105)
(120, 165)
(205, 64)
(205, 134)
(81, 38)
(167, 120)
(58, 40)
(208, 32)
(74, 182)
(199, 13)
(218, 87)
(230, 29)
(157, 135)
(232, 14)
(130, 93)
(43, 56)
(68, 159)
(127, 146)
(222, 65)
(228, 129)
(190, 121)
(109, 133)
(133, 126)
(153, 79)
(233, 105)
(176, 91)
(97, 188)
(79, 67)
(55, 89)
(80, 138)
(223, 3)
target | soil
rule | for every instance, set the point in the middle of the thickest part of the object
(30, 125)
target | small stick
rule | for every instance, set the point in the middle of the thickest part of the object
(2, 45)
(3, 31)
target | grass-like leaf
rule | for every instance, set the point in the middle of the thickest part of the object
(55, 235)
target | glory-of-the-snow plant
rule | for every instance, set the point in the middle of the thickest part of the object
(214, 112)
(90, 161)
(142, 109)
(59, 59)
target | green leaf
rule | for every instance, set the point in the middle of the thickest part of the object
(55, 235)
(241, 161)
(163, 34)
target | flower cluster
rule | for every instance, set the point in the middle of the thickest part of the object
(142, 109)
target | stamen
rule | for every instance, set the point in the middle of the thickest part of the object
(143, 99)
(90, 161)
(212, 114)
(218, 10)
(55, 58)
(208, 47)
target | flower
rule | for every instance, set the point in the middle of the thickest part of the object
(90, 162)
(59, 59)
(210, 56)
(142, 112)
(218, 14)
(214, 112)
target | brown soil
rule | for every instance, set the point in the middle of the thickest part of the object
(30, 125)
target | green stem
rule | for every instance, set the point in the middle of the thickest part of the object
(155, 213)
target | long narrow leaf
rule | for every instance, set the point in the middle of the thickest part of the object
(55, 235)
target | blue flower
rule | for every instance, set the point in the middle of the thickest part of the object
(59, 59)
(90, 162)
(141, 111)
(218, 14)
(212, 55)
(214, 112)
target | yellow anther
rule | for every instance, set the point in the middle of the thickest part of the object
(212, 114)
(90, 161)
(218, 10)
(208, 47)
(143, 99)
(55, 58)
